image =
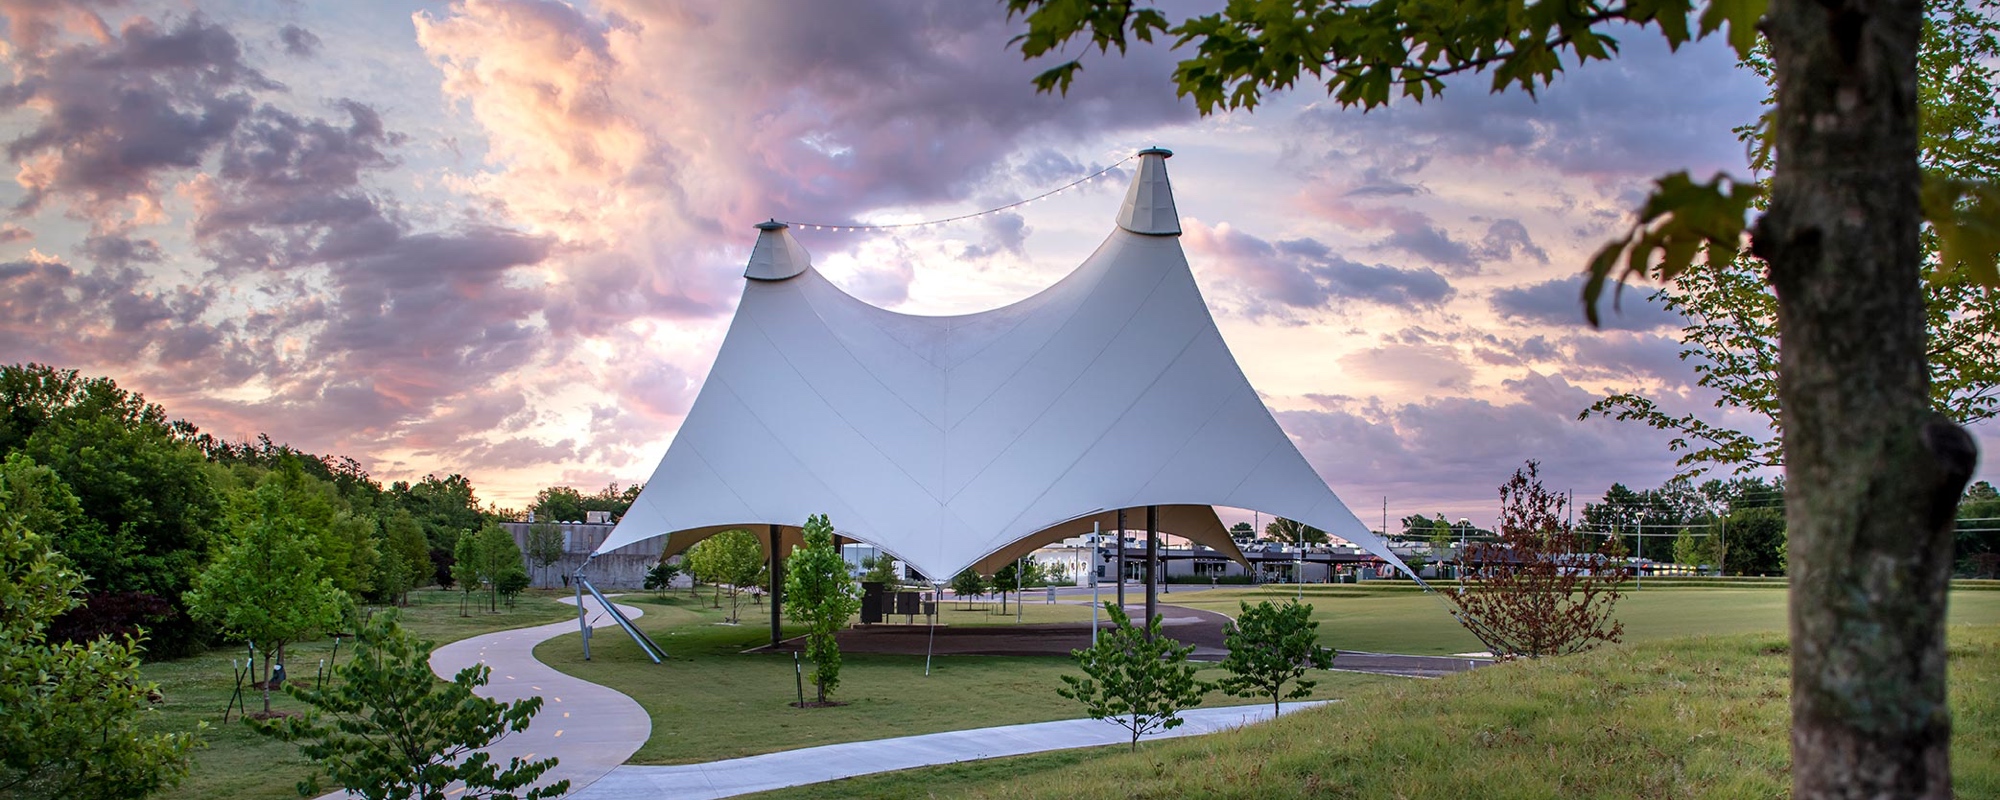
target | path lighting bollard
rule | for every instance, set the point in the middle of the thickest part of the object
(799, 671)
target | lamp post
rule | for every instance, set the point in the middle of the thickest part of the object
(1464, 525)
(1299, 564)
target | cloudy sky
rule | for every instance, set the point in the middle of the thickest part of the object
(504, 237)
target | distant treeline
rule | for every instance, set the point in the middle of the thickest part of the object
(142, 503)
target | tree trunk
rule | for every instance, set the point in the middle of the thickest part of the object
(267, 682)
(1873, 474)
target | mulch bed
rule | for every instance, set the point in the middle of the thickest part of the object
(1203, 629)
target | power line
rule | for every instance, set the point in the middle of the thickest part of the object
(819, 226)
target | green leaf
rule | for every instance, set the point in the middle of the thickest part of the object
(1966, 216)
(1680, 220)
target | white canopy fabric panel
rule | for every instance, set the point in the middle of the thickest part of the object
(943, 440)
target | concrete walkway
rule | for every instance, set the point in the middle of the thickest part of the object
(593, 729)
(590, 728)
(835, 761)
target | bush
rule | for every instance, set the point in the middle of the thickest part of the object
(1271, 646)
(1139, 679)
(387, 728)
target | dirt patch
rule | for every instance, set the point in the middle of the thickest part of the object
(817, 704)
(1203, 629)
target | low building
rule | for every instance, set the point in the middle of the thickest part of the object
(623, 568)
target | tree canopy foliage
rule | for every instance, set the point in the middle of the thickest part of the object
(387, 729)
(1730, 338)
(1135, 677)
(268, 587)
(732, 558)
(74, 711)
(1291, 531)
(144, 503)
(1271, 646)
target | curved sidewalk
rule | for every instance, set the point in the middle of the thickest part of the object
(835, 761)
(588, 727)
(593, 729)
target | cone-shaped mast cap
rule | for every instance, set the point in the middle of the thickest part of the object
(1149, 204)
(777, 255)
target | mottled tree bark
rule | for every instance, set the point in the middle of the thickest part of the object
(1874, 474)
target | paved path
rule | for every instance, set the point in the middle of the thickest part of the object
(593, 729)
(590, 728)
(832, 762)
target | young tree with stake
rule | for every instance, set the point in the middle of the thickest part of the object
(822, 595)
(268, 587)
(387, 729)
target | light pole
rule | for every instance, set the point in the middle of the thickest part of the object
(1299, 564)
(1458, 563)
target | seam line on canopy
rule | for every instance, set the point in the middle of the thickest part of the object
(1071, 467)
(952, 423)
(858, 434)
(833, 335)
(1196, 432)
(752, 414)
(1086, 370)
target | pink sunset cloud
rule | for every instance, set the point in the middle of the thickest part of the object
(502, 237)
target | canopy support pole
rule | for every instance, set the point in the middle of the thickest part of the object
(1121, 559)
(1152, 567)
(777, 590)
(1096, 605)
(646, 644)
(937, 604)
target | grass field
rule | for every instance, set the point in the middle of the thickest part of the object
(236, 761)
(710, 700)
(1401, 620)
(1702, 717)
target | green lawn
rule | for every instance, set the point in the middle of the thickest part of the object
(712, 701)
(237, 762)
(1401, 620)
(1691, 717)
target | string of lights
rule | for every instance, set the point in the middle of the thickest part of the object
(821, 226)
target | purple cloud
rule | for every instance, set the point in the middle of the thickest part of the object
(1305, 274)
(1559, 301)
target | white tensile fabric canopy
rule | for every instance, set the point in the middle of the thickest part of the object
(946, 440)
